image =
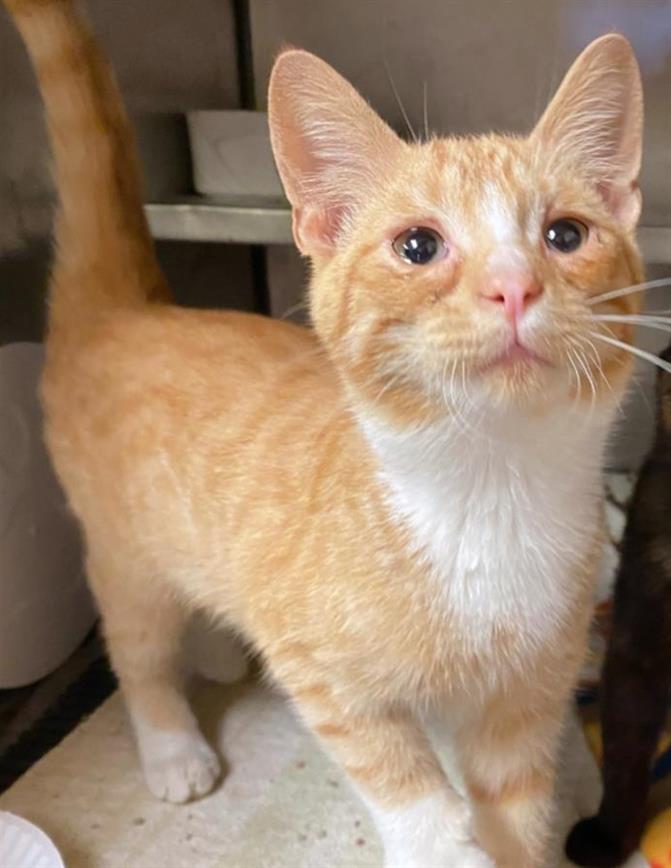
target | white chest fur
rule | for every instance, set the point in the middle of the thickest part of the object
(502, 512)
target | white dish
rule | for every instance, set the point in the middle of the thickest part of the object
(23, 845)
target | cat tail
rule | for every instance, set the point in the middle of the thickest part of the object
(104, 251)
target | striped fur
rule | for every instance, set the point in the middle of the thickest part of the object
(406, 561)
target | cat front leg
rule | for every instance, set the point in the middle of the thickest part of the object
(422, 821)
(509, 760)
(434, 830)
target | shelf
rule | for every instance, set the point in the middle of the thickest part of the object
(248, 221)
(268, 221)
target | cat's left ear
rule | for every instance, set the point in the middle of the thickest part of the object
(332, 150)
(595, 123)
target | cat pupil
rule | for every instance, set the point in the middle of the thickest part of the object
(565, 235)
(418, 246)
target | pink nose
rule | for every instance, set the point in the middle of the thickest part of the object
(515, 290)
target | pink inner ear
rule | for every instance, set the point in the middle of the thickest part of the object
(331, 149)
(316, 230)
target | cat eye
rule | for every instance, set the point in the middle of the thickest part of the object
(419, 245)
(565, 234)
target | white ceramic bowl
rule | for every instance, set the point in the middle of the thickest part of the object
(23, 845)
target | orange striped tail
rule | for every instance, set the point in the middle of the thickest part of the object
(105, 254)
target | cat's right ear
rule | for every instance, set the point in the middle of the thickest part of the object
(330, 147)
(595, 123)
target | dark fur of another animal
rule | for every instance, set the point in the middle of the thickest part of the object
(637, 671)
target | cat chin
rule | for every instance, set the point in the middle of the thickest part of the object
(519, 387)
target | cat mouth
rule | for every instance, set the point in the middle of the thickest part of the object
(514, 355)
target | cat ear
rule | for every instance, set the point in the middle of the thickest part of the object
(595, 123)
(330, 147)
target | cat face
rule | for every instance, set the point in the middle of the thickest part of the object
(463, 270)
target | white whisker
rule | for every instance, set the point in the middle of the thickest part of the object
(599, 365)
(629, 290)
(426, 110)
(455, 403)
(294, 308)
(401, 107)
(632, 317)
(391, 383)
(578, 384)
(580, 357)
(443, 383)
(645, 322)
(635, 351)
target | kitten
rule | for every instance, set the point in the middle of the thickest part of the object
(637, 675)
(401, 509)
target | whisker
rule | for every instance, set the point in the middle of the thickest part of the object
(629, 290)
(637, 377)
(578, 384)
(635, 351)
(391, 383)
(640, 321)
(597, 360)
(458, 416)
(426, 110)
(453, 403)
(399, 103)
(631, 318)
(636, 382)
(443, 383)
(580, 358)
(294, 308)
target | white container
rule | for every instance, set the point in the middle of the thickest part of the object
(23, 845)
(231, 155)
(45, 607)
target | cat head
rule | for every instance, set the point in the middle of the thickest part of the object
(461, 270)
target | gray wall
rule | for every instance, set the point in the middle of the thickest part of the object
(487, 64)
(169, 56)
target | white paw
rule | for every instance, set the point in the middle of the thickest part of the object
(465, 854)
(214, 652)
(446, 854)
(179, 766)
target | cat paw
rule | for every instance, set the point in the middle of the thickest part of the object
(589, 845)
(450, 854)
(467, 855)
(179, 767)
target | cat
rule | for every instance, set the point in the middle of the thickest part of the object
(400, 508)
(637, 674)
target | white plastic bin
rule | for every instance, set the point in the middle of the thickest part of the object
(45, 607)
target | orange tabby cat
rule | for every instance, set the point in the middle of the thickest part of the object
(400, 510)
